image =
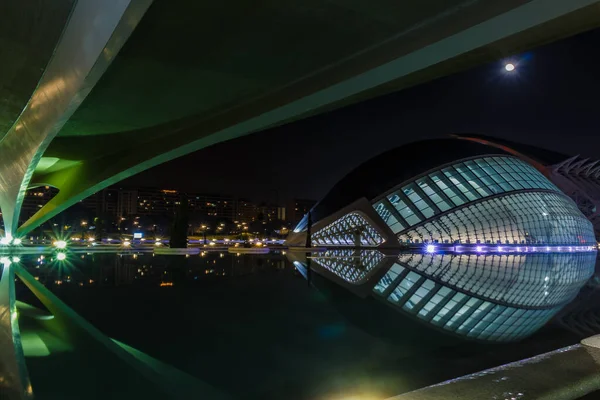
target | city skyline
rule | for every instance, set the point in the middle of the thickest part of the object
(119, 203)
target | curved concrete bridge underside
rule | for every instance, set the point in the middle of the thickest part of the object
(93, 92)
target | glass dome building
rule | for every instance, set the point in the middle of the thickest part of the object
(491, 248)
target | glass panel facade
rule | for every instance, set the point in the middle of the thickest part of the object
(440, 201)
(405, 210)
(351, 265)
(389, 278)
(518, 218)
(452, 186)
(486, 292)
(350, 230)
(384, 209)
(486, 297)
(525, 280)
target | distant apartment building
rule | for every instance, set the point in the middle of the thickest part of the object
(245, 211)
(115, 203)
(212, 205)
(163, 202)
(104, 202)
(297, 208)
(270, 212)
(35, 199)
(281, 214)
(152, 201)
(127, 202)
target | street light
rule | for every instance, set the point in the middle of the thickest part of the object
(203, 229)
(83, 225)
(60, 244)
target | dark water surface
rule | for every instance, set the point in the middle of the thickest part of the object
(251, 327)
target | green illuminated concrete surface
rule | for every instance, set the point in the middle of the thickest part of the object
(180, 75)
(97, 366)
(92, 36)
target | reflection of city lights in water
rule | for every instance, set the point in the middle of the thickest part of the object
(61, 256)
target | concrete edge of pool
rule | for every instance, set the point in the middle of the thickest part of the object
(566, 373)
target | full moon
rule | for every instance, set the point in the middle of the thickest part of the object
(509, 67)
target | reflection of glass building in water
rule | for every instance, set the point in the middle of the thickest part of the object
(482, 296)
(496, 248)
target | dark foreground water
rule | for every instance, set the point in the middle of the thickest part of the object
(252, 328)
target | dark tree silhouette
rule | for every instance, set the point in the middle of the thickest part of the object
(180, 225)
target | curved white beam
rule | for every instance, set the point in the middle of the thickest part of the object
(14, 378)
(564, 164)
(586, 170)
(576, 168)
(94, 34)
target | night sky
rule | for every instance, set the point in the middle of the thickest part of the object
(551, 100)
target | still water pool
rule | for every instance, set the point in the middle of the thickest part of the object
(249, 327)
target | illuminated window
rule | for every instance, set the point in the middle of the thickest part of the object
(350, 230)
(519, 218)
(349, 265)
(509, 217)
(487, 297)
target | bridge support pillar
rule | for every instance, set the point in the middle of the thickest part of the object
(93, 35)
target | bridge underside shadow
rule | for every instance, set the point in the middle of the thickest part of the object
(169, 77)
